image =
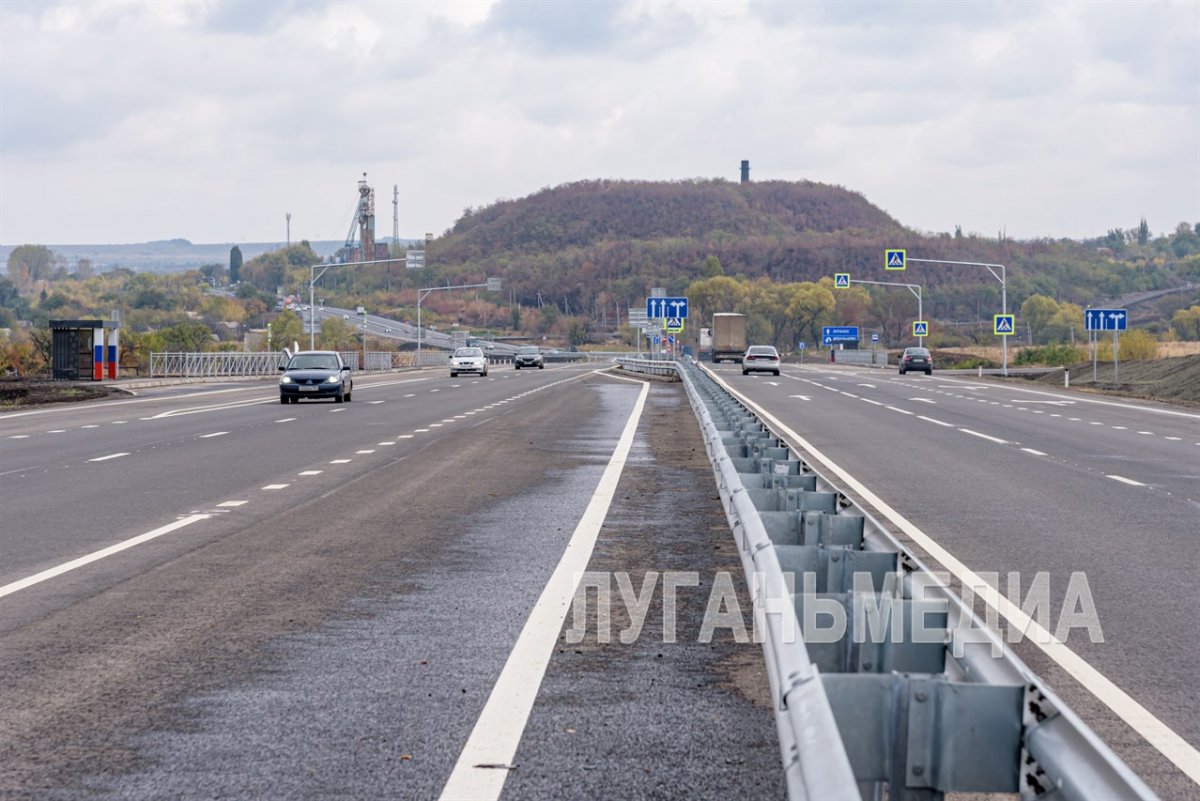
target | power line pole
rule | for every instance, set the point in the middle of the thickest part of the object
(288, 214)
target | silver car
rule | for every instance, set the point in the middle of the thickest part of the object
(468, 360)
(760, 358)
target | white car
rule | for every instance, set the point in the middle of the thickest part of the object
(760, 358)
(468, 360)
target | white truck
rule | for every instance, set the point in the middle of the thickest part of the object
(728, 337)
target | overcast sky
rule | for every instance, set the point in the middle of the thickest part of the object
(127, 122)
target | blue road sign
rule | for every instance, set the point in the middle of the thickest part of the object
(920, 328)
(841, 280)
(671, 338)
(658, 308)
(874, 337)
(1106, 319)
(895, 259)
(1004, 325)
(801, 345)
(657, 340)
(839, 333)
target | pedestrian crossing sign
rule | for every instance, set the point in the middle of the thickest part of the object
(1003, 325)
(895, 259)
(920, 328)
(841, 280)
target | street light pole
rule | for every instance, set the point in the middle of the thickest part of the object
(492, 285)
(1003, 291)
(913, 288)
(313, 275)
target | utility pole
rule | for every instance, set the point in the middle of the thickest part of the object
(288, 214)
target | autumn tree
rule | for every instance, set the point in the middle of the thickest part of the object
(287, 328)
(235, 264)
(336, 334)
(1137, 344)
(1186, 323)
(1036, 312)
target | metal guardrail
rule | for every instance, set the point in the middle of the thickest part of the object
(945, 707)
(660, 367)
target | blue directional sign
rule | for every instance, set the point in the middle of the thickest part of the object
(801, 345)
(839, 333)
(895, 259)
(920, 328)
(1106, 319)
(874, 337)
(1004, 325)
(841, 280)
(657, 340)
(658, 308)
(671, 339)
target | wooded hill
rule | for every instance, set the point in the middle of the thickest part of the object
(596, 245)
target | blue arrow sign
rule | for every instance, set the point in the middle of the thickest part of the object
(658, 308)
(1106, 319)
(839, 333)
(1003, 324)
(657, 340)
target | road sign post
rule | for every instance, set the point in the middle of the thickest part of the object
(913, 288)
(658, 308)
(1115, 320)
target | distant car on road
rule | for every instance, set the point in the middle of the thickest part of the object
(916, 359)
(760, 359)
(315, 374)
(529, 356)
(468, 360)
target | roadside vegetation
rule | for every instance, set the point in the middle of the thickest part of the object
(573, 259)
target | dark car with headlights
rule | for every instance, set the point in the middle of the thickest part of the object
(916, 359)
(529, 356)
(315, 374)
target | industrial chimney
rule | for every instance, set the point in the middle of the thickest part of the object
(745, 171)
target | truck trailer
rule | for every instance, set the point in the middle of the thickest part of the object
(728, 337)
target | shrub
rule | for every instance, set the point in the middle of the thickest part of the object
(1137, 345)
(1057, 355)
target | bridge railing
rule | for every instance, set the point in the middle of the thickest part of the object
(913, 692)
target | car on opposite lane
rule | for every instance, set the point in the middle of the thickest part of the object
(529, 356)
(760, 359)
(315, 374)
(916, 359)
(468, 360)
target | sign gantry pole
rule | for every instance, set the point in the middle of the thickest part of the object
(991, 268)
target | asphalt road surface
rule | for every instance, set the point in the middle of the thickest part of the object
(1032, 481)
(205, 594)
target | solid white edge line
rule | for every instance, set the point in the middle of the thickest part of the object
(498, 731)
(1160, 736)
(37, 578)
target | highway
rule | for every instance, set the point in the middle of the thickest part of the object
(206, 594)
(1017, 479)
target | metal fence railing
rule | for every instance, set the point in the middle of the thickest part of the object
(915, 694)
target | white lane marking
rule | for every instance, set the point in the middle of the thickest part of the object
(460, 417)
(404, 436)
(420, 430)
(927, 400)
(1164, 739)
(801, 397)
(57, 431)
(1147, 433)
(931, 420)
(21, 584)
(366, 451)
(119, 422)
(335, 411)
(984, 436)
(902, 411)
(310, 472)
(1128, 481)
(1056, 415)
(220, 407)
(340, 461)
(435, 390)
(410, 395)
(285, 420)
(110, 456)
(435, 425)
(91, 426)
(1035, 453)
(872, 402)
(1095, 423)
(498, 731)
(19, 436)
(388, 442)
(232, 503)
(868, 386)
(1096, 401)
(373, 403)
(214, 434)
(1074, 419)
(275, 486)
(1174, 439)
(448, 420)
(1121, 428)
(849, 394)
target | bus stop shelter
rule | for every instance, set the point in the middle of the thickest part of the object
(79, 351)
